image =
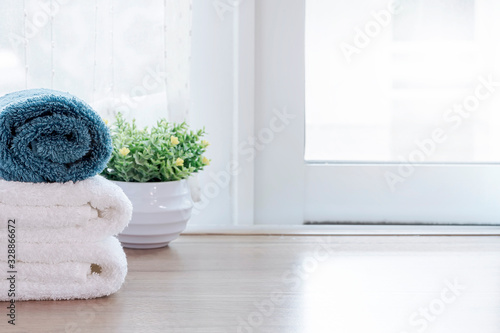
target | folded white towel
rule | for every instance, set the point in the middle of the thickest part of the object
(87, 210)
(63, 271)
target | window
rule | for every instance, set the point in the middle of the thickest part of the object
(411, 80)
(382, 106)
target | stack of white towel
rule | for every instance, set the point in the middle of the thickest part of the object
(64, 244)
(57, 217)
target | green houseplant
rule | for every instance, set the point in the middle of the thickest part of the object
(152, 165)
(165, 152)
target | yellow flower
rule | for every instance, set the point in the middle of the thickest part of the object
(174, 140)
(205, 143)
(106, 121)
(205, 160)
(124, 151)
(179, 162)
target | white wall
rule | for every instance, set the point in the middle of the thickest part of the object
(212, 106)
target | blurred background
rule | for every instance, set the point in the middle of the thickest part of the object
(316, 110)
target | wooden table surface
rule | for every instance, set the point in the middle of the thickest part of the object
(290, 284)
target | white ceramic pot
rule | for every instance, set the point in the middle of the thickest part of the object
(161, 212)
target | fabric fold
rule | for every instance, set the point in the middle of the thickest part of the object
(64, 271)
(57, 216)
(50, 136)
(84, 211)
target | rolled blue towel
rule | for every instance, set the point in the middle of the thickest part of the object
(50, 136)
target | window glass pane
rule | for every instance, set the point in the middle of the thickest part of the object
(391, 81)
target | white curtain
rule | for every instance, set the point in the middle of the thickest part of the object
(127, 55)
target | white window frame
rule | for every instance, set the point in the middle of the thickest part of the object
(276, 188)
(338, 192)
(222, 81)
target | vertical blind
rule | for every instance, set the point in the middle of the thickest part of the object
(128, 56)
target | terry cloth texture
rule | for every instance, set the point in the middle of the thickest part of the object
(50, 136)
(85, 211)
(64, 271)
